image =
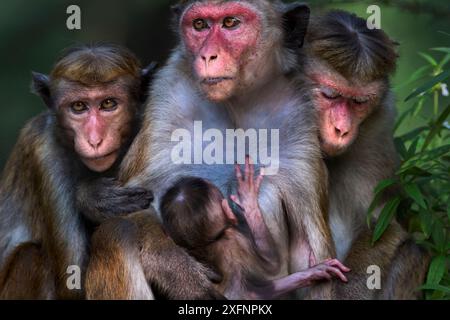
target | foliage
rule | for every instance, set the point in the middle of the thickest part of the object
(424, 175)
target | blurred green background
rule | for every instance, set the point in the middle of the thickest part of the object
(32, 34)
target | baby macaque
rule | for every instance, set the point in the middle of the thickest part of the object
(198, 217)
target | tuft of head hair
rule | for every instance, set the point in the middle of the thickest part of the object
(96, 64)
(185, 211)
(344, 41)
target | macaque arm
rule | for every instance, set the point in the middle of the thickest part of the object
(327, 270)
(169, 267)
(101, 198)
(131, 256)
(247, 199)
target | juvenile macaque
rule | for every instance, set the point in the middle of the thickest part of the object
(63, 168)
(198, 218)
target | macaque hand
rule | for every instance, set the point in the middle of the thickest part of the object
(248, 187)
(104, 198)
(327, 270)
(115, 199)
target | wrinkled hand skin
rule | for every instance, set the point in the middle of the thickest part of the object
(104, 198)
(324, 271)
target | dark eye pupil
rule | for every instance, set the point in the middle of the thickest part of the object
(199, 24)
(231, 22)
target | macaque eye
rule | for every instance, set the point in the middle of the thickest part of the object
(78, 107)
(109, 105)
(330, 94)
(360, 100)
(200, 24)
(230, 22)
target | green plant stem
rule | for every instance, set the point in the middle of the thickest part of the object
(436, 103)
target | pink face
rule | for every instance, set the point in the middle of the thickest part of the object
(222, 38)
(342, 107)
(98, 120)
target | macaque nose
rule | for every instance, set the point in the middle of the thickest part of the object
(340, 132)
(209, 58)
(95, 143)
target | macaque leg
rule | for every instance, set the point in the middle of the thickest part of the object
(26, 275)
(115, 270)
(132, 255)
(407, 273)
(402, 267)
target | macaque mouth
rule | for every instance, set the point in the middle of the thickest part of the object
(97, 158)
(216, 80)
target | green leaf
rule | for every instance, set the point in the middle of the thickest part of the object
(429, 58)
(418, 74)
(413, 134)
(437, 270)
(414, 193)
(384, 184)
(444, 61)
(448, 212)
(430, 84)
(438, 235)
(378, 192)
(436, 287)
(419, 107)
(445, 50)
(413, 147)
(417, 172)
(437, 127)
(386, 216)
(426, 222)
(400, 147)
(402, 118)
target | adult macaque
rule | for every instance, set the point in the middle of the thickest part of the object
(198, 218)
(94, 95)
(349, 66)
(232, 70)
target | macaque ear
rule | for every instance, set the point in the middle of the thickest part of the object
(229, 215)
(296, 21)
(40, 85)
(146, 77)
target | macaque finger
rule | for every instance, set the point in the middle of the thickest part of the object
(324, 275)
(337, 273)
(258, 182)
(237, 169)
(252, 169)
(336, 263)
(247, 169)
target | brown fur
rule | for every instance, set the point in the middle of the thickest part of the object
(126, 256)
(27, 275)
(39, 182)
(337, 38)
(345, 43)
(294, 200)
